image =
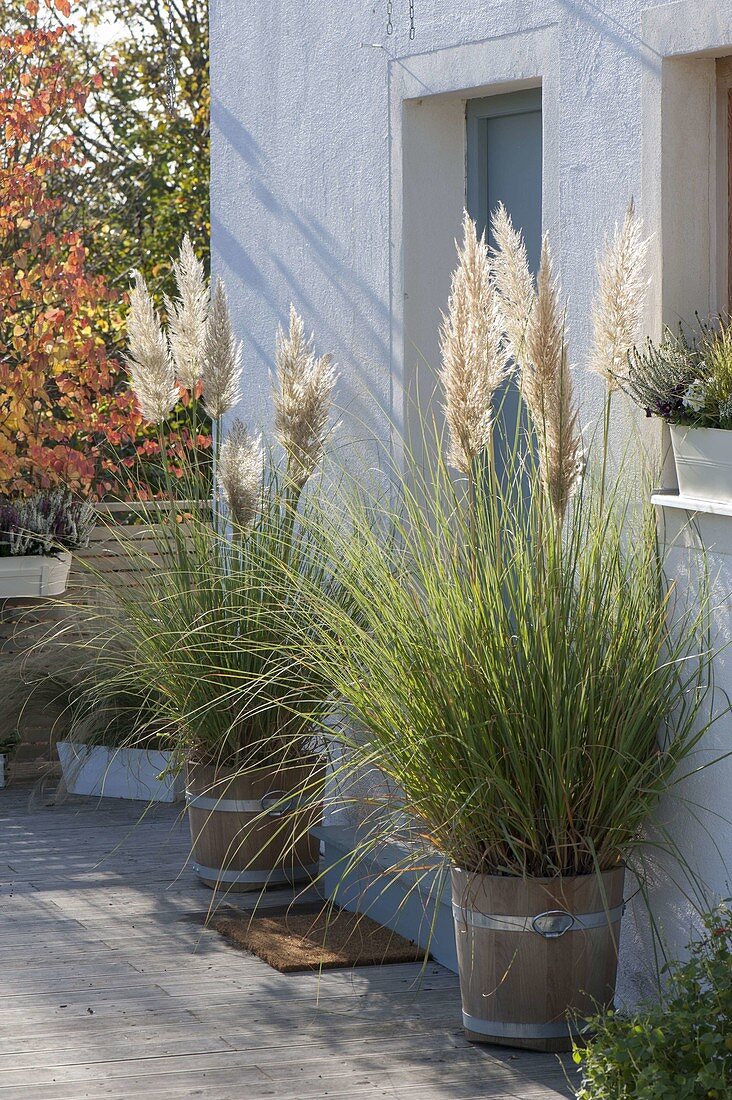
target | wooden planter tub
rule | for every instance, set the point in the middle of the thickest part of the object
(245, 833)
(535, 955)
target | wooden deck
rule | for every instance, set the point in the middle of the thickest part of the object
(111, 988)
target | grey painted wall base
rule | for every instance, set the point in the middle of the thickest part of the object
(417, 905)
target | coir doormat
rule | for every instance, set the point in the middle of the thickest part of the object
(294, 941)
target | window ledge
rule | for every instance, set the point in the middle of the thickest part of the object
(672, 498)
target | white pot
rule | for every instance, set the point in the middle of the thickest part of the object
(703, 463)
(98, 771)
(34, 575)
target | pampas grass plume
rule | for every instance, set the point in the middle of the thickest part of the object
(514, 280)
(618, 307)
(188, 315)
(547, 390)
(221, 358)
(537, 338)
(303, 398)
(474, 355)
(241, 464)
(152, 372)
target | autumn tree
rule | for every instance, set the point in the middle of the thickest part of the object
(66, 412)
(146, 131)
(143, 132)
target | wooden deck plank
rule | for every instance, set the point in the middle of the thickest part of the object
(113, 989)
(421, 1076)
(281, 1063)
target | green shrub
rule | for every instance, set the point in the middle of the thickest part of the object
(8, 740)
(678, 1049)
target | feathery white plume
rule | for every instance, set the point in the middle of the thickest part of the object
(152, 373)
(187, 315)
(303, 398)
(474, 355)
(618, 307)
(221, 358)
(546, 385)
(514, 280)
(240, 469)
(535, 325)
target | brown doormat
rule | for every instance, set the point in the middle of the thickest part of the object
(321, 939)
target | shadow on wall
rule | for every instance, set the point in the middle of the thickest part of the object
(356, 316)
(622, 36)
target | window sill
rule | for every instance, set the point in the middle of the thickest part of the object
(691, 525)
(672, 498)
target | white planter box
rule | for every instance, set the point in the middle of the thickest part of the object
(703, 463)
(97, 771)
(34, 575)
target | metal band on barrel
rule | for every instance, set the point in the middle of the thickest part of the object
(225, 805)
(510, 923)
(243, 805)
(554, 1030)
(298, 874)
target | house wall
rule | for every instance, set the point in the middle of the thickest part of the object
(338, 183)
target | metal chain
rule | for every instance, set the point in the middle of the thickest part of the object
(412, 28)
(170, 71)
(389, 13)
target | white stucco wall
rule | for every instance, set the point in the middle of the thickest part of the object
(338, 183)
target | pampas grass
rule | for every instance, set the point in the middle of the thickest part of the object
(537, 338)
(546, 385)
(240, 469)
(529, 689)
(221, 358)
(199, 345)
(302, 395)
(210, 617)
(514, 280)
(475, 360)
(207, 629)
(151, 367)
(618, 307)
(529, 704)
(188, 316)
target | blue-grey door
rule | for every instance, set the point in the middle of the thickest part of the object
(504, 155)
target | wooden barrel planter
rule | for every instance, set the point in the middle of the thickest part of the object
(246, 833)
(535, 955)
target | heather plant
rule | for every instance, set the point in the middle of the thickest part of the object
(45, 523)
(684, 380)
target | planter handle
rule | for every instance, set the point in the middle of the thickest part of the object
(552, 924)
(275, 796)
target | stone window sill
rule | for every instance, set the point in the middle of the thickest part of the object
(672, 498)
